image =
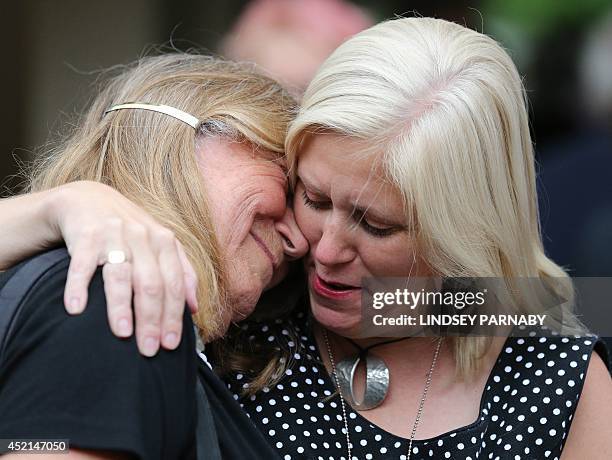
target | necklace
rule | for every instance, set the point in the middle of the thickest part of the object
(343, 405)
(376, 381)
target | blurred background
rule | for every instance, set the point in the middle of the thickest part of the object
(54, 51)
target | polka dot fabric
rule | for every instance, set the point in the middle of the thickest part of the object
(525, 413)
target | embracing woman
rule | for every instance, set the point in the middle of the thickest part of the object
(197, 143)
(411, 157)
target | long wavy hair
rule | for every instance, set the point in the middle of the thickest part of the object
(443, 109)
(150, 157)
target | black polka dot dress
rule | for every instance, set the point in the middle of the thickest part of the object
(525, 412)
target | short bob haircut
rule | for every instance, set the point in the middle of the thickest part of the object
(149, 157)
(443, 110)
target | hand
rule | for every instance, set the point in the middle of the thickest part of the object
(94, 219)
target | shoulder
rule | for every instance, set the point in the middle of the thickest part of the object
(42, 315)
(590, 435)
(43, 329)
(110, 396)
(557, 364)
(537, 385)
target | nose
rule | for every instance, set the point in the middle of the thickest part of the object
(295, 245)
(334, 246)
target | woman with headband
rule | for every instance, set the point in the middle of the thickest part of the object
(411, 156)
(197, 143)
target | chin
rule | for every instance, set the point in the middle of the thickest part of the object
(244, 293)
(279, 275)
(243, 303)
(245, 307)
(344, 323)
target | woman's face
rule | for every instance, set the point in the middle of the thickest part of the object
(256, 232)
(355, 224)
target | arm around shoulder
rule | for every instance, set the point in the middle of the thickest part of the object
(590, 435)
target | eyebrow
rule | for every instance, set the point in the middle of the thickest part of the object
(310, 186)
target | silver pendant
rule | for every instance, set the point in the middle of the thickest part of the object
(376, 384)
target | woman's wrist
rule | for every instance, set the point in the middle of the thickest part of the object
(48, 212)
(29, 224)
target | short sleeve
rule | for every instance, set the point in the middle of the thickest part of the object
(68, 377)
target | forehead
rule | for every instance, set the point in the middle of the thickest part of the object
(229, 152)
(347, 170)
(336, 156)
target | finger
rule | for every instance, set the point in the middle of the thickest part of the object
(83, 264)
(191, 280)
(118, 280)
(118, 290)
(174, 291)
(148, 290)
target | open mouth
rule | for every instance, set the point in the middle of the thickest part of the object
(333, 289)
(337, 286)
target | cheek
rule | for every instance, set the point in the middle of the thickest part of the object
(268, 198)
(392, 258)
(275, 199)
(308, 220)
(244, 282)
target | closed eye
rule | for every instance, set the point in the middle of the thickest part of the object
(319, 205)
(379, 232)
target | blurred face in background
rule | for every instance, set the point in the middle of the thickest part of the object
(290, 40)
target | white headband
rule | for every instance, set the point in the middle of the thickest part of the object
(166, 109)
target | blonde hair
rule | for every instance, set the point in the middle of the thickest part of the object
(445, 109)
(150, 157)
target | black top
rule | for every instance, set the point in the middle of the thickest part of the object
(68, 377)
(238, 437)
(525, 411)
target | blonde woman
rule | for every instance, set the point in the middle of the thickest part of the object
(197, 143)
(411, 156)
